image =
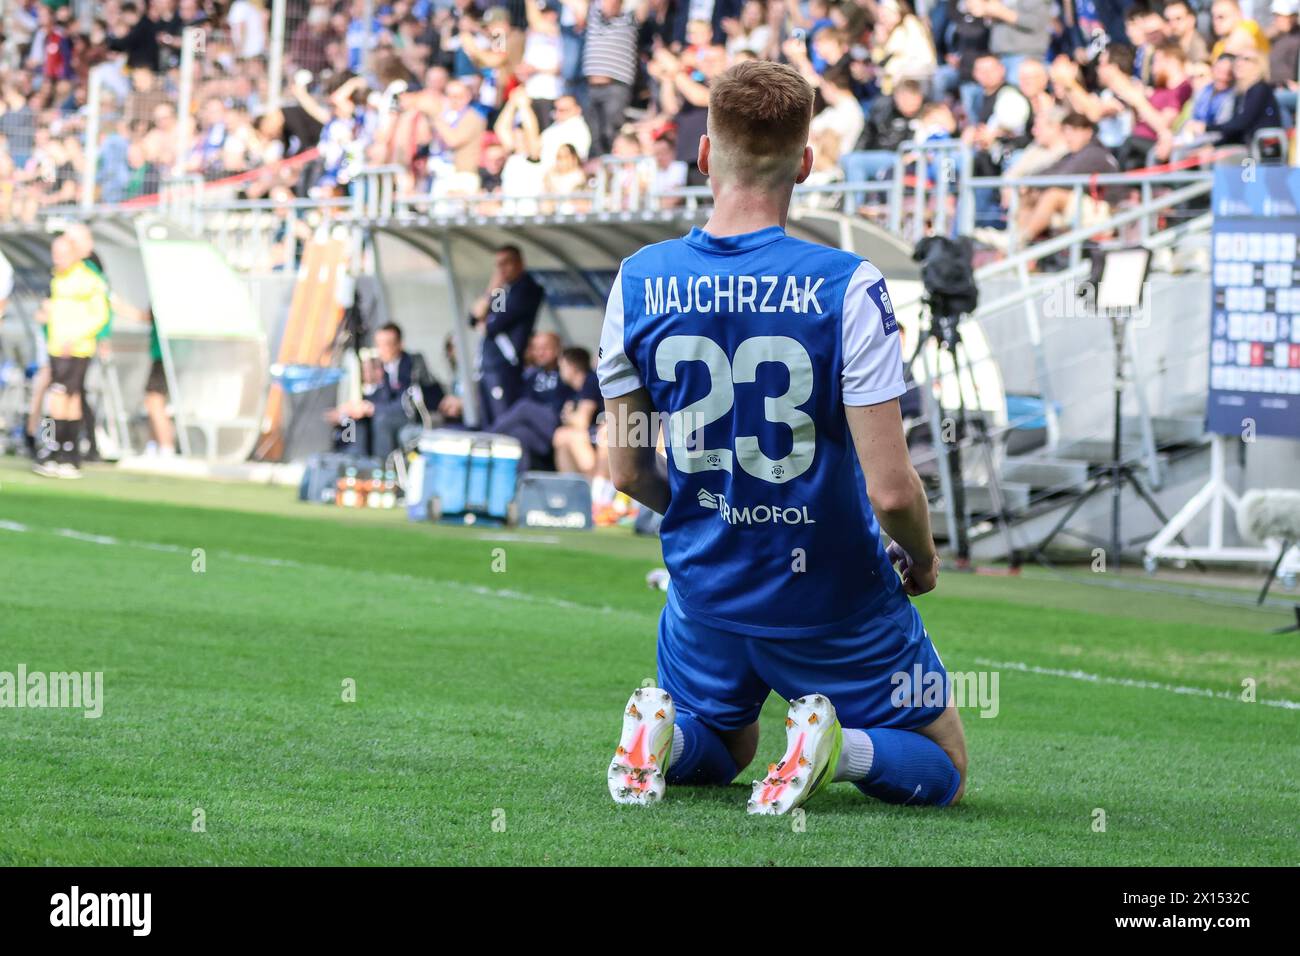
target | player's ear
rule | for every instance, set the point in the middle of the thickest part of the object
(805, 165)
(702, 158)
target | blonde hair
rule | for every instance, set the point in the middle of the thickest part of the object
(1240, 41)
(759, 113)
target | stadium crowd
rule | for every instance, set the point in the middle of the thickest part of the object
(521, 100)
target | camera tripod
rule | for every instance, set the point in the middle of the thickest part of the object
(1118, 472)
(945, 331)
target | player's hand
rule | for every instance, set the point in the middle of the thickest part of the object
(917, 578)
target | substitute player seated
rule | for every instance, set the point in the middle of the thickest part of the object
(778, 365)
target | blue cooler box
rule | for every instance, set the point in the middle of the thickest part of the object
(463, 476)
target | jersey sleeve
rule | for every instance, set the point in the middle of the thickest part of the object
(873, 364)
(617, 374)
(6, 278)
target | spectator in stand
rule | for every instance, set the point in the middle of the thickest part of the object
(308, 46)
(113, 175)
(1145, 29)
(843, 114)
(609, 64)
(523, 173)
(1225, 19)
(565, 178)
(56, 64)
(1002, 127)
(34, 59)
(902, 47)
(358, 35)
(1255, 106)
(1284, 56)
(1157, 110)
(967, 37)
(494, 48)
(492, 164)
(17, 30)
(1035, 84)
(147, 94)
(826, 169)
(541, 67)
(169, 25)
(1047, 147)
(751, 32)
(631, 179)
(208, 149)
(134, 34)
(192, 14)
(1060, 208)
(568, 128)
(1020, 30)
(457, 141)
(684, 98)
(817, 19)
(830, 48)
(345, 134)
(17, 124)
(670, 173)
(1112, 116)
(1180, 22)
(1212, 104)
(889, 123)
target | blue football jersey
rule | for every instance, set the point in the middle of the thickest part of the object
(750, 346)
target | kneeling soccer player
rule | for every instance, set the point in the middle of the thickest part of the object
(777, 364)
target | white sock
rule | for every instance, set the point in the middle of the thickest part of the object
(679, 744)
(856, 756)
(602, 490)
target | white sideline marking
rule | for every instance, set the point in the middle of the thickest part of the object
(512, 595)
(1131, 682)
(480, 590)
(85, 536)
(521, 538)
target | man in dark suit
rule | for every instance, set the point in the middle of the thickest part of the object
(379, 416)
(505, 317)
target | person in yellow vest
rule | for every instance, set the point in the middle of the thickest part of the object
(74, 314)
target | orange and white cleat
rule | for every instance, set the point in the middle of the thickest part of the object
(636, 774)
(813, 744)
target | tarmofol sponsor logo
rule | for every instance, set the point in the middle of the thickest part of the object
(753, 514)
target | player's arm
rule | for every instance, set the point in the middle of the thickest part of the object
(896, 493)
(871, 382)
(635, 467)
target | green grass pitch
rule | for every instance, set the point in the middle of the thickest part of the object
(487, 702)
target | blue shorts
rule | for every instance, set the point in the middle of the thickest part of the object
(877, 675)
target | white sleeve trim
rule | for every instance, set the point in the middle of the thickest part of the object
(617, 374)
(873, 360)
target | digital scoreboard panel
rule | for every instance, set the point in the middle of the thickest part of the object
(1255, 310)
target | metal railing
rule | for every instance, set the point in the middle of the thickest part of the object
(913, 203)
